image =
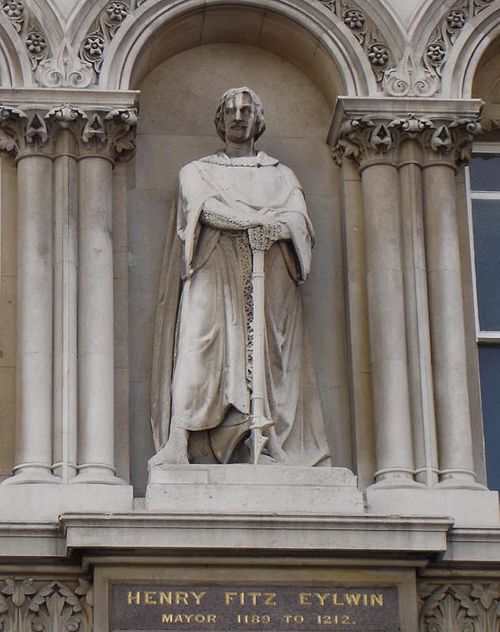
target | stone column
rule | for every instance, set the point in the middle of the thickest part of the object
(456, 462)
(101, 137)
(386, 315)
(65, 292)
(414, 282)
(30, 143)
(417, 312)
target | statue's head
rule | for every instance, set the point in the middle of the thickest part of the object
(239, 115)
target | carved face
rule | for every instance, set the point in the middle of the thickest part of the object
(239, 118)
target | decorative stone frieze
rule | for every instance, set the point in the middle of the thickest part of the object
(473, 607)
(29, 29)
(103, 30)
(377, 50)
(363, 136)
(108, 133)
(447, 32)
(26, 604)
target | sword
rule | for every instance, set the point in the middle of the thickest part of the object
(259, 244)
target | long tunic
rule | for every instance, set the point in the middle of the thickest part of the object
(212, 361)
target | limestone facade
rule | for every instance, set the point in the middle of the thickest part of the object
(376, 106)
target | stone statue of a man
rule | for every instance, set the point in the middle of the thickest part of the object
(202, 366)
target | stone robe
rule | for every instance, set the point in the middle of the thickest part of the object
(203, 342)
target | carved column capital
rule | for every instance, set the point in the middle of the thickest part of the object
(101, 127)
(108, 134)
(362, 132)
(24, 132)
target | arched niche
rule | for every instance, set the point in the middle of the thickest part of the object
(180, 86)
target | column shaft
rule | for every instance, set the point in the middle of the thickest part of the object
(65, 310)
(387, 323)
(34, 308)
(417, 315)
(447, 325)
(95, 318)
(357, 324)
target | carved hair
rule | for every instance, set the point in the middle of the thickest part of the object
(259, 111)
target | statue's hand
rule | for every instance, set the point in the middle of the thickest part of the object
(263, 237)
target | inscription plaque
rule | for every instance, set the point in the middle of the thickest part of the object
(221, 608)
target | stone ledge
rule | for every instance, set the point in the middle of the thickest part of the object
(473, 545)
(163, 532)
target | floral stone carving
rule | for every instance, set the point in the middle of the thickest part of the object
(30, 606)
(459, 607)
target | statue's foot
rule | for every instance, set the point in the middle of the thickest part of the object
(174, 452)
(274, 449)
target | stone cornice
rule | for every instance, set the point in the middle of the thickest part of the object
(364, 128)
(102, 123)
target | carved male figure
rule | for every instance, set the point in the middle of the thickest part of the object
(202, 382)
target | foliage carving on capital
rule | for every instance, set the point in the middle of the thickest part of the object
(23, 132)
(40, 606)
(110, 134)
(365, 137)
(451, 607)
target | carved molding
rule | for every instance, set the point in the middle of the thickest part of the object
(471, 607)
(64, 70)
(365, 137)
(107, 133)
(27, 605)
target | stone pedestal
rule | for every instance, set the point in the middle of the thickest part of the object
(249, 489)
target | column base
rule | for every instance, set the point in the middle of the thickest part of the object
(459, 480)
(32, 475)
(96, 476)
(397, 481)
(467, 507)
(46, 502)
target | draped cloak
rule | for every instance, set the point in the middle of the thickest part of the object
(201, 377)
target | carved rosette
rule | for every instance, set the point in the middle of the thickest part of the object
(366, 137)
(106, 133)
(27, 605)
(451, 607)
